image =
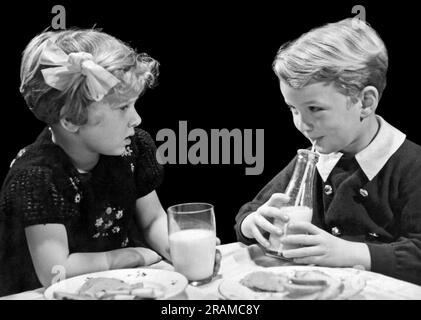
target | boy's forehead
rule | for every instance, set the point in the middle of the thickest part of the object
(315, 92)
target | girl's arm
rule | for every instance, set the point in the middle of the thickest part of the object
(49, 250)
(152, 219)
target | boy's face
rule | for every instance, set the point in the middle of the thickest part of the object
(109, 126)
(321, 113)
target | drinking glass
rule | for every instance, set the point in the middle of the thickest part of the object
(192, 238)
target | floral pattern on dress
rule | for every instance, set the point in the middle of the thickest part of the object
(119, 214)
(99, 222)
(128, 152)
(116, 229)
(125, 242)
(107, 222)
(78, 196)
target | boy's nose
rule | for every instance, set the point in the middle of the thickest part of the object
(303, 124)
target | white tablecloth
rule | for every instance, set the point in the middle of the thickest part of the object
(238, 258)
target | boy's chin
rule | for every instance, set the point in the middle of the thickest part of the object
(324, 150)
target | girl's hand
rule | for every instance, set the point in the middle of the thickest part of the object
(323, 249)
(217, 265)
(258, 220)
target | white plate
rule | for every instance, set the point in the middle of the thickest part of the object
(232, 289)
(172, 283)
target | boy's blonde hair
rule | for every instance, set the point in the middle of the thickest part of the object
(135, 72)
(348, 53)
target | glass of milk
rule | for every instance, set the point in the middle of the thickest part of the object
(192, 238)
(299, 213)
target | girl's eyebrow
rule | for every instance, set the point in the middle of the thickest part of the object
(126, 102)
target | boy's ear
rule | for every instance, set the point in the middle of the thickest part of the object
(69, 126)
(369, 101)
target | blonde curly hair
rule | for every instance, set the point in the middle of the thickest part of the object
(348, 53)
(135, 72)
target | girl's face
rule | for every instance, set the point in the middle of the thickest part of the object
(109, 127)
(324, 115)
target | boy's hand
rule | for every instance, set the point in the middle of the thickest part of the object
(256, 221)
(323, 249)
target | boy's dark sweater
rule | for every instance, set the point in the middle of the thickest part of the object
(385, 212)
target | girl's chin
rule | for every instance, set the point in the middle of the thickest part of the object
(115, 152)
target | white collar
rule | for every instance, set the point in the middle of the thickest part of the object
(371, 159)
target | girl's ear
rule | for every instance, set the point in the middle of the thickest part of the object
(369, 101)
(69, 126)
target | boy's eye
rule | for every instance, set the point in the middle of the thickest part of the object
(293, 109)
(124, 108)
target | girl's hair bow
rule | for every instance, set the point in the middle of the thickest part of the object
(99, 81)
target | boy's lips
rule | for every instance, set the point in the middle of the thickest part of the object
(315, 139)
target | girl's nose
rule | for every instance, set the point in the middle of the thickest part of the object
(135, 119)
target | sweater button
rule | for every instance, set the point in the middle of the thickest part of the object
(364, 192)
(328, 189)
(336, 232)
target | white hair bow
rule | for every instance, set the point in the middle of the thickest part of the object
(98, 80)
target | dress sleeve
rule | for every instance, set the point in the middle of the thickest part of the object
(277, 184)
(149, 174)
(32, 195)
(402, 257)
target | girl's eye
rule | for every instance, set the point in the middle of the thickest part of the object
(124, 108)
(315, 109)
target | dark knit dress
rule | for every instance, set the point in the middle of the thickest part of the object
(96, 208)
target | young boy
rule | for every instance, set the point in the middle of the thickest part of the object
(367, 193)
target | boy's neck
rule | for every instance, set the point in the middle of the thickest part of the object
(369, 133)
(83, 160)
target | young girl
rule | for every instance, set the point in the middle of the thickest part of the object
(70, 199)
(367, 198)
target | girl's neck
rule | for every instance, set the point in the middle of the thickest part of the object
(82, 159)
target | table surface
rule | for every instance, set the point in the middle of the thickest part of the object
(238, 258)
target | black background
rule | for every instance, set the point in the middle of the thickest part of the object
(215, 73)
